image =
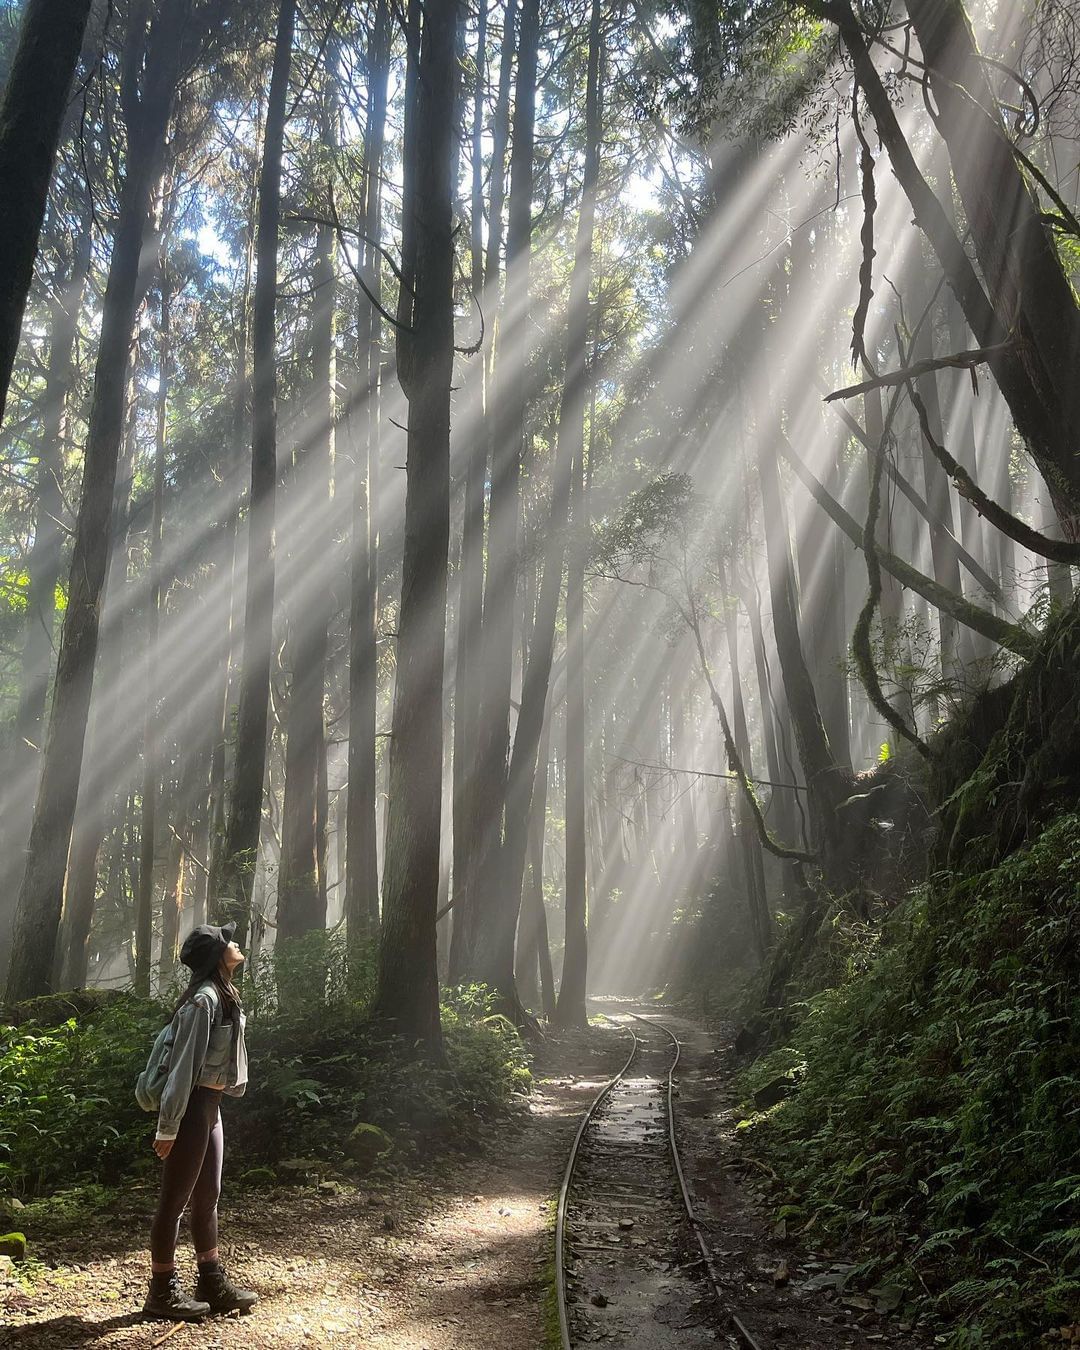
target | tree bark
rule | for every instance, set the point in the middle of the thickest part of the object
(490, 951)
(467, 672)
(302, 876)
(226, 670)
(94, 807)
(362, 870)
(147, 114)
(144, 900)
(749, 847)
(32, 112)
(244, 821)
(408, 991)
(43, 572)
(468, 806)
(826, 781)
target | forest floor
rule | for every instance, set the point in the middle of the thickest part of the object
(455, 1258)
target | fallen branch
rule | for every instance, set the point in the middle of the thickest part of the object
(176, 1326)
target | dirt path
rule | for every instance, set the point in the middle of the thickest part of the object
(450, 1261)
(456, 1259)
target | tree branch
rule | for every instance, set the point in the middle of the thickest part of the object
(1000, 631)
(956, 361)
(1057, 550)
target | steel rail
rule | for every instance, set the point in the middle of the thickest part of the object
(564, 1189)
(743, 1332)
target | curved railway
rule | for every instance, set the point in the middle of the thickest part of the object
(631, 1262)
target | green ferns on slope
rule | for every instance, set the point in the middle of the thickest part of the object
(937, 1125)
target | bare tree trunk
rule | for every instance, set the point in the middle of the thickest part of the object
(302, 875)
(408, 990)
(362, 871)
(216, 804)
(147, 115)
(471, 581)
(95, 807)
(144, 902)
(468, 824)
(43, 571)
(781, 808)
(826, 781)
(490, 950)
(245, 803)
(533, 936)
(31, 114)
(757, 902)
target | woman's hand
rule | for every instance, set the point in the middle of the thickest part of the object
(163, 1147)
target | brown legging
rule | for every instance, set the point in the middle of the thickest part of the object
(192, 1171)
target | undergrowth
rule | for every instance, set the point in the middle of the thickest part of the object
(936, 1125)
(330, 1092)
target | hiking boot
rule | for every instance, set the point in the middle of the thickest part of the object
(215, 1287)
(166, 1302)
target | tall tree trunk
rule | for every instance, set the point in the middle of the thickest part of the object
(144, 901)
(757, 902)
(570, 1009)
(408, 990)
(468, 693)
(535, 950)
(781, 807)
(302, 876)
(43, 576)
(821, 598)
(244, 822)
(490, 951)
(471, 572)
(216, 804)
(956, 651)
(32, 111)
(362, 870)
(147, 114)
(826, 781)
(96, 807)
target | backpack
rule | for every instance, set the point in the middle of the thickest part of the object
(150, 1084)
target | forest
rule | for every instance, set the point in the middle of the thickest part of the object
(536, 532)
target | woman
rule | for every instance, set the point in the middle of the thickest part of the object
(208, 1057)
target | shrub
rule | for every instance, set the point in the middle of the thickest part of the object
(319, 1067)
(937, 1122)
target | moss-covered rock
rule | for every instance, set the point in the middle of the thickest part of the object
(367, 1145)
(13, 1245)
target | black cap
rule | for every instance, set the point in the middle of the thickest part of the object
(205, 946)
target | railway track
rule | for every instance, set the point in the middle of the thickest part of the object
(631, 1263)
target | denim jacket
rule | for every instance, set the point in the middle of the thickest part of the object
(207, 1052)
